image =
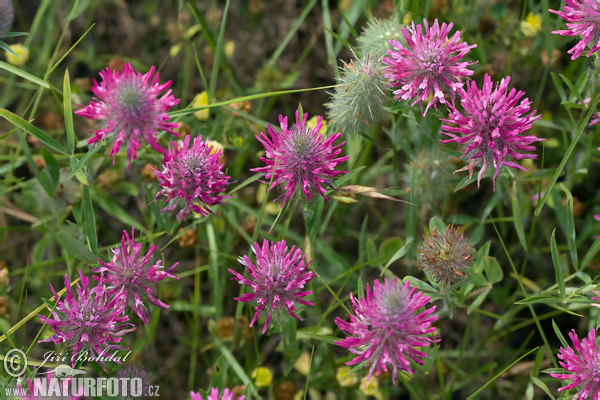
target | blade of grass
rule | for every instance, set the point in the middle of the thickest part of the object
(68, 111)
(28, 127)
(568, 153)
(24, 75)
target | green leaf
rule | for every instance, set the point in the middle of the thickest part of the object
(75, 248)
(559, 335)
(81, 163)
(560, 281)
(572, 87)
(398, 255)
(68, 112)
(27, 127)
(570, 228)
(90, 221)
(51, 171)
(540, 299)
(493, 270)
(80, 175)
(518, 221)
(437, 223)
(478, 300)
(111, 207)
(591, 253)
(559, 86)
(24, 74)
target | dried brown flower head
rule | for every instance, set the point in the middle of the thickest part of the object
(446, 256)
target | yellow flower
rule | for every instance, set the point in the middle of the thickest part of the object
(532, 25)
(311, 123)
(407, 18)
(373, 389)
(199, 101)
(262, 376)
(229, 48)
(344, 379)
(23, 53)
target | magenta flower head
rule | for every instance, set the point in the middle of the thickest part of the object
(276, 280)
(92, 320)
(428, 65)
(214, 395)
(303, 157)
(387, 326)
(132, 274)
(192, 178)
(582, 365)
(128, 102)
(582, 18)
(490, 126)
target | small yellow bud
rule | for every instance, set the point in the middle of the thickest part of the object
(344, 379)
(407, 18)
(199, 101)
(262, 376)
(23, 53)
(532, 25)
(311, 123)
(229, 48)
(373, 389)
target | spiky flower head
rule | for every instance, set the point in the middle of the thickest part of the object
(582, 18)
(133, 274)
(303, 157)
(277, 279)
(374, 39)
(582, 365)
(134, 372)
(387, 327)
(428, 65)
(446, 255)
(357, 102)
(192, 178)
(92, 320)
(128, 103)
(490, 126)
(214, 395)
(7, 14)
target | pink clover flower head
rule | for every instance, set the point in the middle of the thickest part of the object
(192, 178)
(132, 274)
(129, 104)
(582, 362)
(277, 279)
(387, 327)
(428, 65)
(582, 18)
(214, 395)
(64, 386)
(91, 320)
(490, 126)
(303, 157)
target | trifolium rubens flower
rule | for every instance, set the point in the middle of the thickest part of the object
(357, 102)
(277, 279)
(192, 178)
(490, 127)
(582, 366)
(90, 320)
(129, 105)
(583, 19)
(303, 158)
(133, 274)
(214, 394)
(427, 66)
(387, 327)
